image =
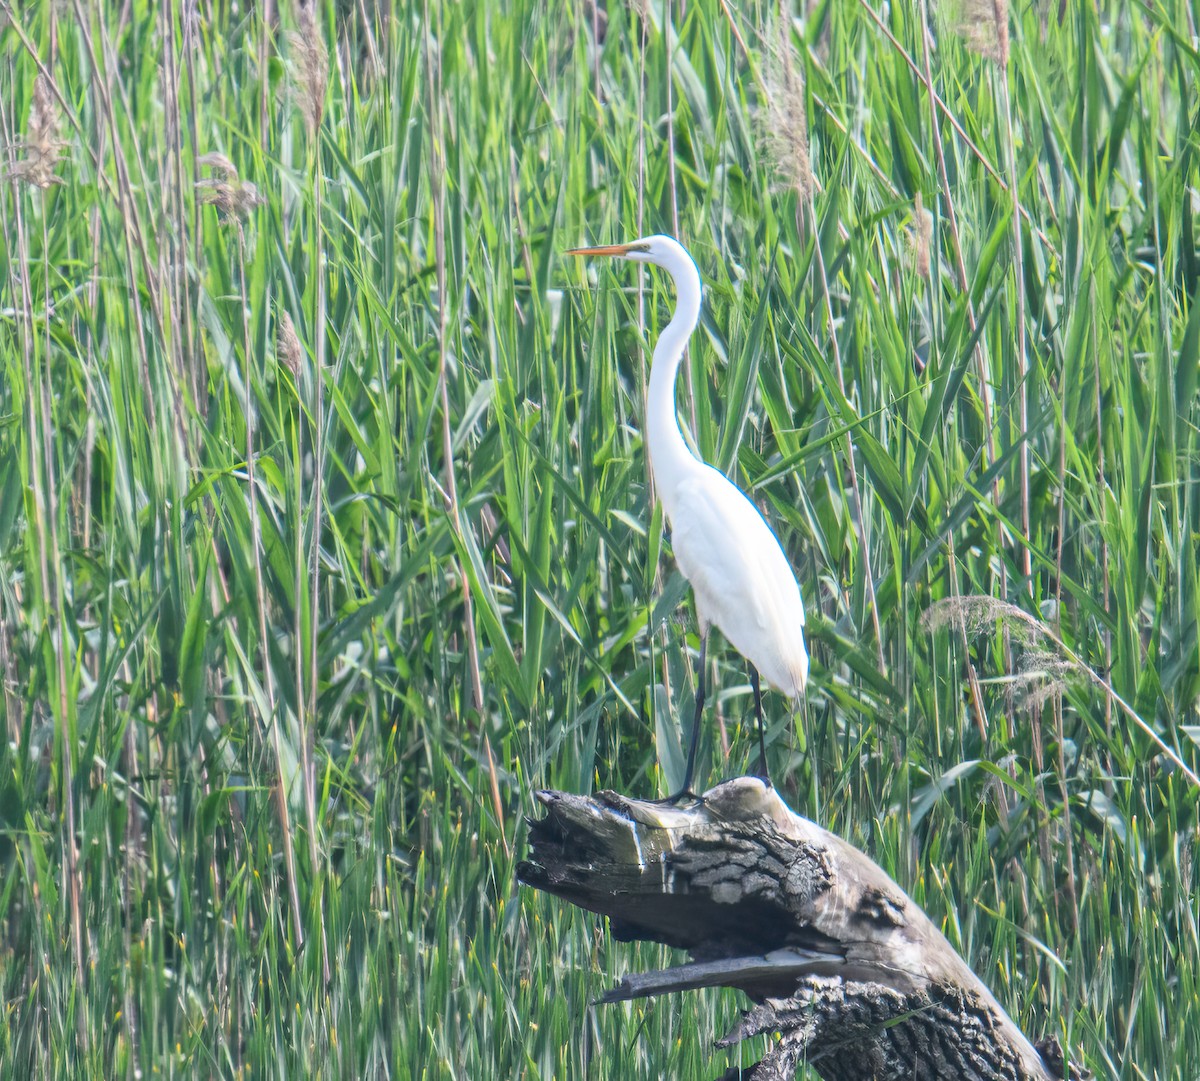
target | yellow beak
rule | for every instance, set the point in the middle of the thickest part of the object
(603, 249)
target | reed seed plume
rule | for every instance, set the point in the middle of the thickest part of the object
(983, 26)
(43, 145)
(975, 614)
(220, 164)
(786, 114)
(1045, 663)
(288, 347)
(921, 236)
(310, 66)
(1041, 674)
(1041, 669)
(233, 197)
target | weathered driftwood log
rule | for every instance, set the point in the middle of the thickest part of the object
(837, 958)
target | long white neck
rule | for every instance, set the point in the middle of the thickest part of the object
(670, 456)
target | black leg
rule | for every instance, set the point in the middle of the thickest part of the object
(686, 789)
(763, 772)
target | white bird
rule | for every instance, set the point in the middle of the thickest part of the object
(740, 577)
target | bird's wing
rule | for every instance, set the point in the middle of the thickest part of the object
(742, 580)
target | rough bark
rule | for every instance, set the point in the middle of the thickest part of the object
(855, 977)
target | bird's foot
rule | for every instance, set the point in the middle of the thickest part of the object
(684, 795)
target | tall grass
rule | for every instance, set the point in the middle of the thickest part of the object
(325, 531)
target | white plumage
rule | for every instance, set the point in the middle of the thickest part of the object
(741, 579)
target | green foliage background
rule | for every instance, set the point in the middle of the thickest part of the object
(290, 630)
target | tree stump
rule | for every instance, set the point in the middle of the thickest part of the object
(837, 959)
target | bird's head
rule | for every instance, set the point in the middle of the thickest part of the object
(663, 251)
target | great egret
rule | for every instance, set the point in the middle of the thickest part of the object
(723, 545)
